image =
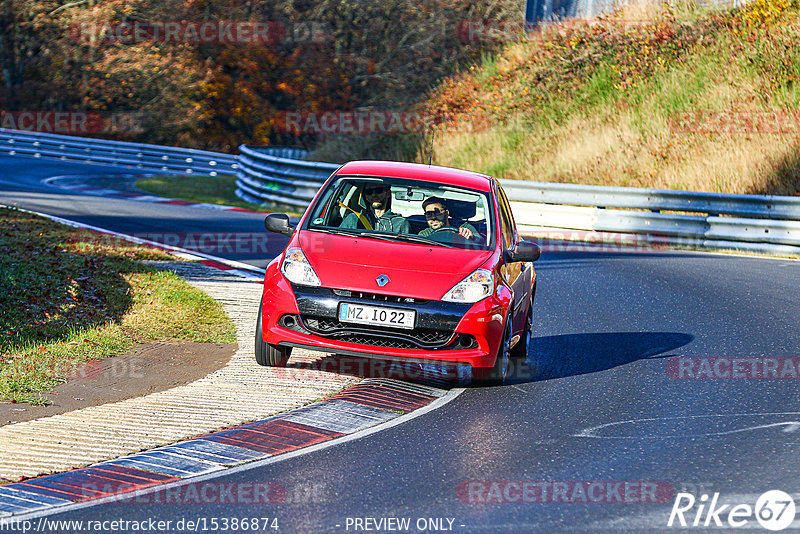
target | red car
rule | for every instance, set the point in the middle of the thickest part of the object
(402, 261)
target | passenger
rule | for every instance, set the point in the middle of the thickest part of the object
(438, 217)
(378, 214)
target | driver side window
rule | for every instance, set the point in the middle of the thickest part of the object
(506, 219)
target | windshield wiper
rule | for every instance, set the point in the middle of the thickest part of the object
(411, 238)
(408, 237)
(336, 231)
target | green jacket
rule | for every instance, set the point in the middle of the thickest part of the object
(388, 222)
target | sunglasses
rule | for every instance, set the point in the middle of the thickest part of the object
(375, 190)
(435, 213)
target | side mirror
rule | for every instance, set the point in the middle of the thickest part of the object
(525, 251)
(278, 223)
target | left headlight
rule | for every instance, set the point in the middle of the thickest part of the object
(296, 269)
(473, 288)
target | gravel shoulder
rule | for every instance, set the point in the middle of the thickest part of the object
(148, 368)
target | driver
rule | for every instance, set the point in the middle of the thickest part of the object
(438, 217)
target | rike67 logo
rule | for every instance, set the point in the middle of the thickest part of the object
(773, 510)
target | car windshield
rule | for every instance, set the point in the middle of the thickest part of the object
(405, 210)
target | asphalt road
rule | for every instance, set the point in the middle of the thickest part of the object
(616, 416)
(234, 235)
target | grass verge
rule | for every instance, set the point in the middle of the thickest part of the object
(69, 295)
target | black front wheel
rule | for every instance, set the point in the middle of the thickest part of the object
(266, 354)
(520, 350)
(497, 375)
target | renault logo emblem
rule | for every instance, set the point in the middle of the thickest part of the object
(382, 280)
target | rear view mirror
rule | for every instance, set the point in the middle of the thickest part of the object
(525, 251)
(278, 223)
(409, 195)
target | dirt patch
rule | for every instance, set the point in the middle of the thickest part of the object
(146, 369)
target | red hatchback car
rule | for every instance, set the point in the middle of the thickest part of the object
(402, 261)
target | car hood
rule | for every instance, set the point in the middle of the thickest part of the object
(414, 270)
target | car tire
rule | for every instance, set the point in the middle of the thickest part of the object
(266, 354)
(520, 350)
(497, 374)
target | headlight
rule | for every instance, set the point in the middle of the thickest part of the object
(296, 268)
(473, 288)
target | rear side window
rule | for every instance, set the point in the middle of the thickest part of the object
(507, 226)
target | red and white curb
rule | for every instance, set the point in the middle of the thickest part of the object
(351, 412)
(74, 182)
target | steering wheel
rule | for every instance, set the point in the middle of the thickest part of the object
(448, 234)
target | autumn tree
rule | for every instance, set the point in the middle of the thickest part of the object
(216, 94)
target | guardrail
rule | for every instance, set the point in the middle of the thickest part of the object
(711, 220)
(744, 222)
(278, 175)
(118, 153)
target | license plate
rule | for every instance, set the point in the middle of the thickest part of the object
(376, 315)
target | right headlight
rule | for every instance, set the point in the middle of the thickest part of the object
(473, 288)
(296, 269)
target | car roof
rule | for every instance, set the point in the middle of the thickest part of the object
(418, 171)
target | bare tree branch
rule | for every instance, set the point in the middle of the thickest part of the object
(68, 6)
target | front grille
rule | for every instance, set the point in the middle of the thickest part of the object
(362, 334)
(322, 325)
(377, 297)
(376, 341)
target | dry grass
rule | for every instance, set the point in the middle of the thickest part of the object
(597, 132)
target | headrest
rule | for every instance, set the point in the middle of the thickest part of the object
(461, 209)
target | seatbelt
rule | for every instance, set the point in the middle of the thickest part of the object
(360, 216)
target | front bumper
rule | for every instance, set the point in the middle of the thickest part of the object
(449, 333)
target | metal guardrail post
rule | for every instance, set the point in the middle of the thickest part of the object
(275, 175)
(118, 153)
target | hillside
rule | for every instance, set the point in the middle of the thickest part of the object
(655, 96)
(676, 99)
